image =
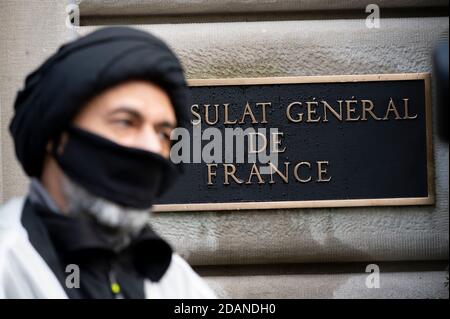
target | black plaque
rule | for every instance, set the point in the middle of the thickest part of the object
(367, 156)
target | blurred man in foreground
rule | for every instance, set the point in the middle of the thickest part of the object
(92, 130)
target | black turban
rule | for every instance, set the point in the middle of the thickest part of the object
(79, 70)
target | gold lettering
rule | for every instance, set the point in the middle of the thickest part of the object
(263, 105)
(226, 120)
(230, 173)
(283, 177)
(297, 167)
(248, 111)
(211, 173)
(406, 107)
(196, 114)
(288, 113)
(276, 142)
(327, 106)
(312, 111)
(368, 109)
(251, 144)
(391, 108)
(207, 114)
(255, 171)
(351, 110)
(321, 172)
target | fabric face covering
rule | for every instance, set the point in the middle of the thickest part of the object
(130, 177)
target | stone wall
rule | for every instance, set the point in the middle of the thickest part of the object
(297, 253)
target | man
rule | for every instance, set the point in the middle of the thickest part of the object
(92, 130)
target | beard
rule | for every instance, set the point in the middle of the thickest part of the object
(106, 213)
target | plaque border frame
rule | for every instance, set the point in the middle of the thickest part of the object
(408, 201)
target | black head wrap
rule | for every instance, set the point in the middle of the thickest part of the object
(79, 70)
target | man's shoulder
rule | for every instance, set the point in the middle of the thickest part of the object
(10, 214)
(13, 236)
(179, 281)
(23, 272)
(10, 222)
(11, 229)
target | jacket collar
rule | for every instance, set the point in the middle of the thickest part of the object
(82, 238)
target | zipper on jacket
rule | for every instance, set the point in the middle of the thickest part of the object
(114, 285)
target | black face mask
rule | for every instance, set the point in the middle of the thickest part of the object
(127, 176)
